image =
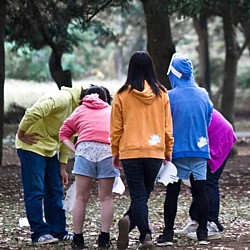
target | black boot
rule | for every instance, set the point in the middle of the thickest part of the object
(166, 239)
(104, 240)
(202, 236)
(78, 242)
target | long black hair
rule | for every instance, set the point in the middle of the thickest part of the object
(141, 68)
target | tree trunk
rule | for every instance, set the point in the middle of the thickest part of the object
(160, 45)
(60, 76)
(200, 25)
(230, 69)
(3, 9)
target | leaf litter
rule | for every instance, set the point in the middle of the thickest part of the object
(234, 212)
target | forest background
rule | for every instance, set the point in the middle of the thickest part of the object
(68, 41)
(47, 44)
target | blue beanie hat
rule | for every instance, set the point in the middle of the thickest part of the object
(181, 66)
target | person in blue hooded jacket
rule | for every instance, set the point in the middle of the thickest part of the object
(191, 111)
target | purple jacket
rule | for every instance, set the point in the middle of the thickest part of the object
(221, 140)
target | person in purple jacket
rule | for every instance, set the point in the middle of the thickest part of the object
(221, 137)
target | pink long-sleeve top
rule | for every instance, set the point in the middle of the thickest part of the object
(91, 121)
(221, 140)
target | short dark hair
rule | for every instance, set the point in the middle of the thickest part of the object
(140, 69)
(92, 90)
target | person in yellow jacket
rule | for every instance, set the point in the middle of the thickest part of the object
(141, 140)
(43, 164)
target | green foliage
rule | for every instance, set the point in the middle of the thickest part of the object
(27, 65)
(190, 8)
(90, 48)
(243, 78)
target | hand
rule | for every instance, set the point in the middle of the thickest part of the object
(64, 175)
(27, 138)
(167, 159)
(117, 163)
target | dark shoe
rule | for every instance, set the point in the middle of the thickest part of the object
(202, 236)
(166, 239)
(147, 244)
(123, 239)
(68, 237)
(104, 240)
(218, 224)
(78, 242)
(46, 239)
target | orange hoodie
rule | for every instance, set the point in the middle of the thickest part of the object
(141, 125)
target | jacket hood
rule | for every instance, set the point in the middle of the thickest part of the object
(146, 96)
(93, 102)
(180, 71)
(75, 93)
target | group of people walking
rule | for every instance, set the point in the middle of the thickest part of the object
(144, 127)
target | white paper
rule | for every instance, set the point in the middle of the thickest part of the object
(68, 203)
(23, 222)
(118, 186)
(69, 200)
(167, 174)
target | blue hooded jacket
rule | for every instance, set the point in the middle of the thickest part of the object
(191, 111)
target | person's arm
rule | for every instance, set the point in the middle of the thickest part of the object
(27, 138)
(66, 133)
(69, 144)
(64, 174)
(116, 126)
(169, 139)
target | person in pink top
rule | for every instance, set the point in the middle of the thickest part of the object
(93, 160)
(221, 141)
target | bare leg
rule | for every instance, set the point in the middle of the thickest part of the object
(83, 185)
(106, 199)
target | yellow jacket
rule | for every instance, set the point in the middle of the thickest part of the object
(141, 124)
(45, 118)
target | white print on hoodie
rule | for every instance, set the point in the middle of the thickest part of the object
(202, 142)
(154, 139)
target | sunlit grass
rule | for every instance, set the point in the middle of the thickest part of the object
(25, 93)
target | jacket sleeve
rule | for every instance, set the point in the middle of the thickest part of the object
(210, 112)
(38, 111)
(116, 125)
(66, 132)
(42, 108)
(169, 139)
(68, 129)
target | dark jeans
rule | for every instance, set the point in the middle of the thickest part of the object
(213, 194)
(140, 174)
(42, 188)
(171, 200)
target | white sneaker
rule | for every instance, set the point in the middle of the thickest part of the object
(46, 239)
(213, 232)
(189, 228)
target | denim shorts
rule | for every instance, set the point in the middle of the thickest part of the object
(191, 165)
(97, 170)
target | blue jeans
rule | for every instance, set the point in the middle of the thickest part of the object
(213, 193)
(42, 188)
(140, 174)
